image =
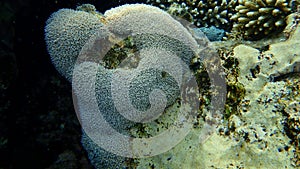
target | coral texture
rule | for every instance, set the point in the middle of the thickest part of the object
(66, 31)
(255, 136)
(258, 18)
(266, 116)
(243, 19)
(212, 33)
(162, 46)
(203, 13)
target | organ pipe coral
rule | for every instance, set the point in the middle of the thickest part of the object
(256, 19)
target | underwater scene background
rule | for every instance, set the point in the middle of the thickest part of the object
(256, 43)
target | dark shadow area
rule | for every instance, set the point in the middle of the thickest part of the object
(38, 124)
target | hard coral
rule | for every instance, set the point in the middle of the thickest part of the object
(163, 45)
(66, 31)
(204, 13)
(245, 19)
(255, 19)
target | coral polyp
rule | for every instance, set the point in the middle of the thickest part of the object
(204, 13)
(243, 19)
(258, 18)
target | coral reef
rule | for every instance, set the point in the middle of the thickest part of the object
(212, 33)
(260, 128)
(66, 31)
(257, 19)
(99, 157)
(242, 19)
(203, 13)
(161, 49)
(264, 127)
(291, 103)
(271, 81)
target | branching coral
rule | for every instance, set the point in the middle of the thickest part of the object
(257, 18)
(203, 13)
(246, 19)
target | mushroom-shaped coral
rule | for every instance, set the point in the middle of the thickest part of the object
(255, 19)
